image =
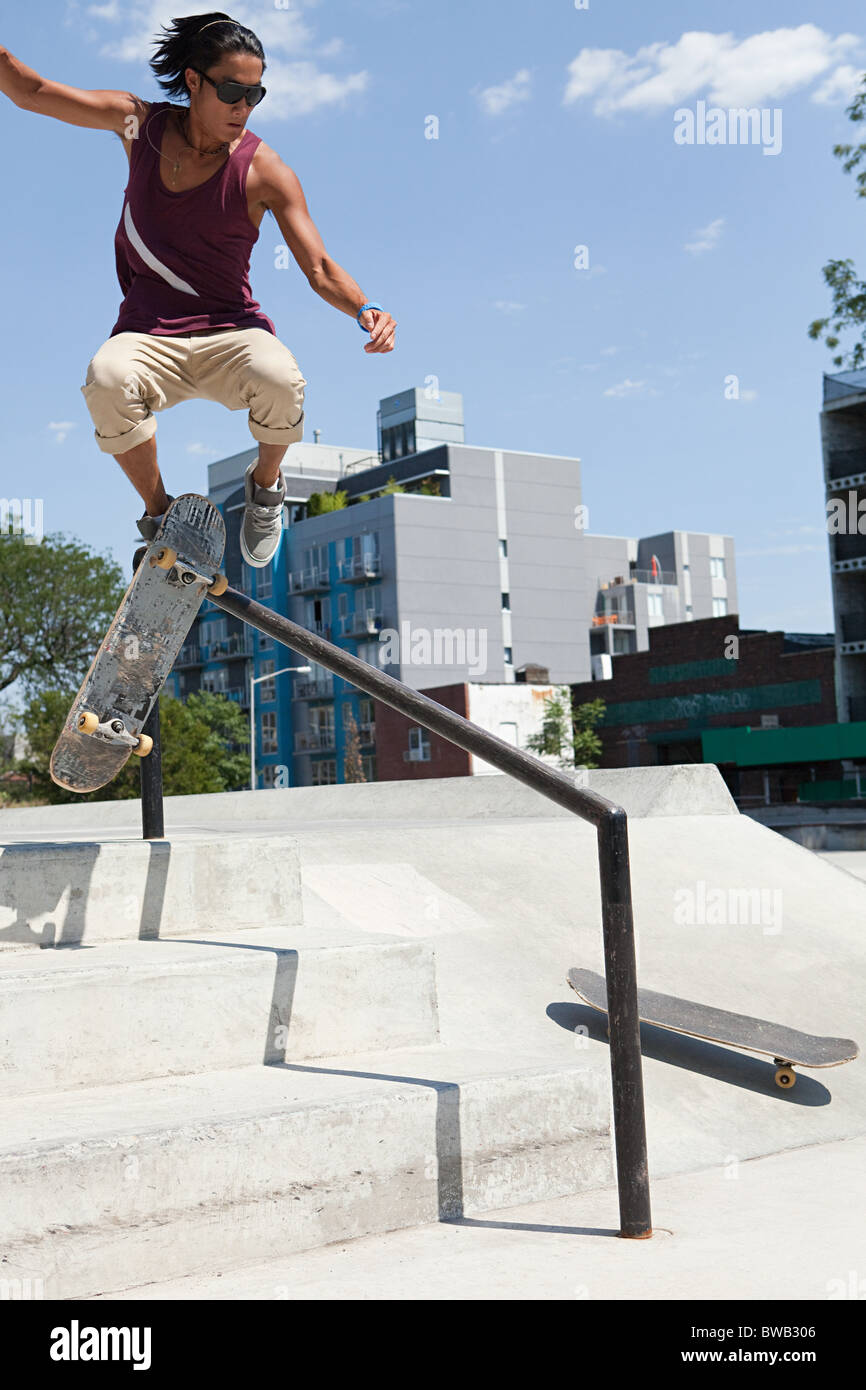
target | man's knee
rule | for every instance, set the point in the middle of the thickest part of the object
(114, 373)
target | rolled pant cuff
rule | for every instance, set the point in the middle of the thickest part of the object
(290, 435)
(122, 443)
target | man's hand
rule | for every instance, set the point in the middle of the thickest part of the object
(381, 327)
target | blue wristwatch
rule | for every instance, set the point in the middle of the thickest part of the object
(362, 310)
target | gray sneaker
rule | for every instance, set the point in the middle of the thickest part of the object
(149, 525)
(262, 525)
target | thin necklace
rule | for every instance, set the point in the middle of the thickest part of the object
(175, 168)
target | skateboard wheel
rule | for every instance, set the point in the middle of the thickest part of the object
(786, 1077)
(219, 585)
(87, 722)
(164, 558)
(145, 743)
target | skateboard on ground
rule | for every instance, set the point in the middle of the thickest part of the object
(175, 572)
(786, 1046)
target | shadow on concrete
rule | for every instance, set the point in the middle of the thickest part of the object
(694, 1054)
(33, 890)
(282, 996)
(153, 899)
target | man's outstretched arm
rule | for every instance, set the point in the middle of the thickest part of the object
(283, 195)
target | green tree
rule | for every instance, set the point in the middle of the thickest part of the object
(570, 739)
(320, 502)
(587, 744)
(847, 292)
(204, 748)
(57, 599)
(391, 486)
(430, 487)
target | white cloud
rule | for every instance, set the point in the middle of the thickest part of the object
(707, 238)
(749, 394)
(630, 388)
(201, 449)
(61, 429)
(728, 71)
(608, 351)
(508, 306)
(295, 82)
(840, 87)
(495, 100)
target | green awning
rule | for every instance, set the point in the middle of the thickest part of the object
(810, 743)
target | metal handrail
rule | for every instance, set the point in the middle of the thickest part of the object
(616, 903)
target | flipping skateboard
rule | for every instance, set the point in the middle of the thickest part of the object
(179, 567)
(786, 1046)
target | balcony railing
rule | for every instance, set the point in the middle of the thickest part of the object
(239, 644)
(308, 581)
(190, 655)
(364, 622)
(314, 690)
(638, 577)
(315, 741)
(236, 693)
(360, 567)
(367, 733)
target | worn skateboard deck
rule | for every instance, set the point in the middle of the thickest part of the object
(141, 646)
(787, 1046)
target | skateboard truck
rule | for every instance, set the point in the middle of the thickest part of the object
(113, 730)
(165, 558)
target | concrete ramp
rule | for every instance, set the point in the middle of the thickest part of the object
(370, 982)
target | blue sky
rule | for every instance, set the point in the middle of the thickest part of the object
(555, 130)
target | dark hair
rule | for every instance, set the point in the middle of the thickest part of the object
(184, 46)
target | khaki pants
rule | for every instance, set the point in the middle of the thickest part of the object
(134, 374)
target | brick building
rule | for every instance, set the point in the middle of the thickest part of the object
(672, 704)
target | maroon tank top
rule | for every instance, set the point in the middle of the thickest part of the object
(183, 259)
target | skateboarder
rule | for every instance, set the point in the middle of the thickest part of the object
(199, 185)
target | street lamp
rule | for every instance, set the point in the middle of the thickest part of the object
(254, 681)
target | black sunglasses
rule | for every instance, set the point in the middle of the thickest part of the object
(231, 92)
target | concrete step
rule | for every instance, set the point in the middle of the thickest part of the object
(125, 1011)
(118, 1186)
(121, 890)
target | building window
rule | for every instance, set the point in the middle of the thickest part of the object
(720, 607)
(264, 641)
(506, 603)
(655, 606)
(503, 548)
(323, 772)
(269, 774)
(509, 656)
(717, 567)
(264, 583)
(419, 746)
(268, 725)
(268, 689)
(368, 762)
(216, 681)
(370, 652)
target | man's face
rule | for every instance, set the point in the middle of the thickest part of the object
(225, 121)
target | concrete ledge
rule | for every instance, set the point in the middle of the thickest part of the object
(679, 790)
(66, 894)
(219, 1171)
(137, 1009)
